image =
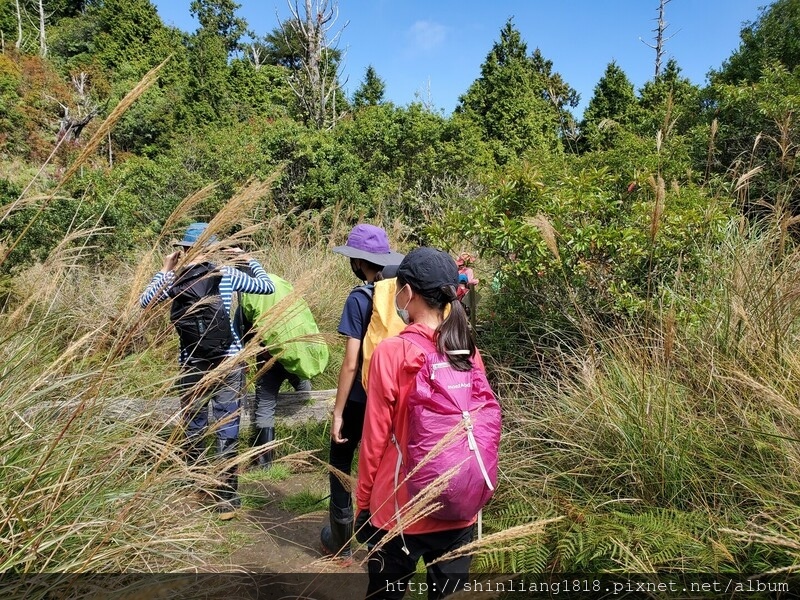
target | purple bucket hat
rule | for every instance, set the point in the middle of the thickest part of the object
(370, 243)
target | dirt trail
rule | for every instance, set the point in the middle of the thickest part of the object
(287, 545)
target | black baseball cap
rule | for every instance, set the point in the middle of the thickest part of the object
(429, 270)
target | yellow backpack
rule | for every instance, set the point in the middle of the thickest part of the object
(383, 323)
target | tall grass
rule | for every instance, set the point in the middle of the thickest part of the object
(672, 447)
(92, 474)
(82, 492)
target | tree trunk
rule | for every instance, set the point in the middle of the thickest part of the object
(42, 40)
(18, 45)
(313, 83)
(660, 29)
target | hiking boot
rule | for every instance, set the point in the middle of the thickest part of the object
(265, 435)
(226, 510)
(335, 539)
(227, 495)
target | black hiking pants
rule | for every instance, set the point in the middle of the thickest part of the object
(267, 386)
(341, 458)
(391, 569)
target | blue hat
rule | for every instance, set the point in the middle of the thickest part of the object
(193, 233)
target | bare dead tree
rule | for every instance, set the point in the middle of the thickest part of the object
(660, 30)
(255, 57)
(72, 124)
(18, 43)
(425, 97)
(80, 82)
(42, 40)
(316, 82)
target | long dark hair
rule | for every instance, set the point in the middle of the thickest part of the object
(454, 337)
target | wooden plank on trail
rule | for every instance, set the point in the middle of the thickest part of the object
(297, 407)
(293, 408)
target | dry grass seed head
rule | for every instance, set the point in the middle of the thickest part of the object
(512, 538)
(548, 233)
(659, 190)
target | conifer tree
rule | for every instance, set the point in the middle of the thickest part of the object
(609, 109)
(219, 17)
(511, 101)
(371, 90)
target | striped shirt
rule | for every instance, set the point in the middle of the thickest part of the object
(233, 280)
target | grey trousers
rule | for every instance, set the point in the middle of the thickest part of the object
(225, 396)
(267, 387)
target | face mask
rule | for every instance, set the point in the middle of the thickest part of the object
(357, 271)
(402, 312)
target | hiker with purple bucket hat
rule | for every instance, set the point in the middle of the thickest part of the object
(369, 252)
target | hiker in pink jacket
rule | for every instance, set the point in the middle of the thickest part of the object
(426, 281)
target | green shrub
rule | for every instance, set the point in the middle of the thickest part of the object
(574, 248)
(666, 446)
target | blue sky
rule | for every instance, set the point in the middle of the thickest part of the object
(433, 49)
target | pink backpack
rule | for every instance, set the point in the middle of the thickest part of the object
(441, 399)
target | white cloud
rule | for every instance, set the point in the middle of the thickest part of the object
(426, 35)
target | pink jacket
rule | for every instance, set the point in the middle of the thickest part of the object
(391, 375)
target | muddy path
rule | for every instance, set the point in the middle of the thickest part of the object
(279, 547)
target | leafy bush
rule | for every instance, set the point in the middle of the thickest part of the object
(665, 447)
(578, 247)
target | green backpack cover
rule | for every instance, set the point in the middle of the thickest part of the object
(288, 329)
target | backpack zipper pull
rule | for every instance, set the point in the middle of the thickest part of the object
(468, 426)
(435, 366)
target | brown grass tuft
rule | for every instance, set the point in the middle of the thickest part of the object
(548, 233)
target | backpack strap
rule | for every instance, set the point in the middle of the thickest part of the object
(396, 487)
(368, 289)
(474, 447)
(421, 341)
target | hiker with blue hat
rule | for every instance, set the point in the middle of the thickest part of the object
(369, 252)
(201, 293)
